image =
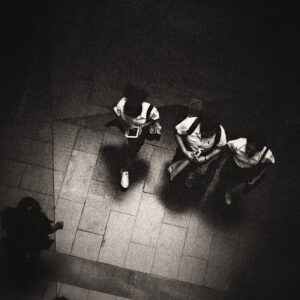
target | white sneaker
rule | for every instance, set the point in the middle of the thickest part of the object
(228, 198)
(124, 179)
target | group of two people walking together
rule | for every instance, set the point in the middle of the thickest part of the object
(201, 142)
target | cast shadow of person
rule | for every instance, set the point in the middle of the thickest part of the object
(203, 197)
(177, 196)
(213, 201)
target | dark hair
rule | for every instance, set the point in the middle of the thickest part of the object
(209, 123)
(256, 138)
(135, 96)
(28, 203)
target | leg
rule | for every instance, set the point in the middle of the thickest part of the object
(133, 147)
(128, 158)
(192, 175)
(190, 170)
(178, 155)
(230, 179)
(203, 173)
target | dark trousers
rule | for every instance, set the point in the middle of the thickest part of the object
(133, 144)
(133, 147)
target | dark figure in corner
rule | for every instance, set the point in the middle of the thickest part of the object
(27, 231)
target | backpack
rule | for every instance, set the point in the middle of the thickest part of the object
(153, 132)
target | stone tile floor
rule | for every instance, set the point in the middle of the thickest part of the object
(136, 229)
(110, 281)
(60, 153)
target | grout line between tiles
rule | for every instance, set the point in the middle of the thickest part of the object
(24, 189)
(103, 240)
(22, 177)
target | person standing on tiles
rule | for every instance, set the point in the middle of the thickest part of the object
(246, 166)
(200, 142)
(27, 231)
(138, 119)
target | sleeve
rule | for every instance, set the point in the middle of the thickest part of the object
(154, 115)
(223, 139)
(120, 107)
(182, 127)
(234, 144)
(269, 158)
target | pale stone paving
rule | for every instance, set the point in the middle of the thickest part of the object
(132, 229)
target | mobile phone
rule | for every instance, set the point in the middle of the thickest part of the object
(132, 132)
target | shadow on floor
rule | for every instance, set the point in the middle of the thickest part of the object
(21, 282)
(224, 216)
(204, 199)
(177, 197)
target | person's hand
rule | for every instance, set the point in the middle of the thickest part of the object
(190, 155)
(146, 124)
(252, 181)
(200, 160)
(59, 225)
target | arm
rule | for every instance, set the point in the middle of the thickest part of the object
(257, 177)
(188, 154)
(152, 118)
(119, 121)
(213, 154)
(148, 123)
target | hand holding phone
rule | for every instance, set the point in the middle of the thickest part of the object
(132, 133)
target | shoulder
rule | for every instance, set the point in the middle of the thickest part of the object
(145, 108)
(222, 129)
(153, 114)
(145, 105)
(122, 102)
(187, 122)
(119, 108)
(184, 125)
(222, 139)
(269, 157)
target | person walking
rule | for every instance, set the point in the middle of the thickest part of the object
(138, 120)
(200, 142)
(246, 166)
